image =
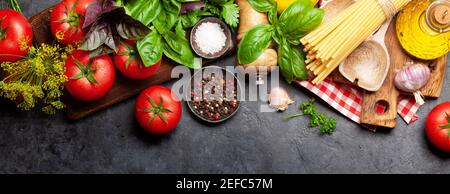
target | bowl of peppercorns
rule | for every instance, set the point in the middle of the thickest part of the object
(213, 94)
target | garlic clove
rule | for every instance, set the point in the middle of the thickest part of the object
(412, 78)
(279, 99)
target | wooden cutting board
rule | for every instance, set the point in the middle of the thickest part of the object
(388, 94)
(122, 89)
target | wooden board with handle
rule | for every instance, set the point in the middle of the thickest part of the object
(388, 94)
(433, 88)
(122, 89)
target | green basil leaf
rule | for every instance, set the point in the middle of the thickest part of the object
(191, 18)
(150, 48)
(168, 18)
(165, 22)
(273, 15)
(143, 11)
(179, 30)
(254, 42)
(277, 35)
(177, 48)
(262, 5)
(172, 6)
(291, 62)
(298, 19)
(196, 63)
(218, 2)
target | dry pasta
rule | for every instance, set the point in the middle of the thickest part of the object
(333, 41)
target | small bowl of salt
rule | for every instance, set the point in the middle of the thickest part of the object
(211, 38)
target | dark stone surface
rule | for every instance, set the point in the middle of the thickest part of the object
(251, 142)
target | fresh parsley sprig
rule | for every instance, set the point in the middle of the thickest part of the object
(326, 125)
(228, 10)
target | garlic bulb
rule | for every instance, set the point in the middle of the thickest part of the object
(412, 78)
(279, 99)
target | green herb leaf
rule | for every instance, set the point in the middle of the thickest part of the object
(273, 16)
(189, 19)
(178, 49)
(165, 22)
(230, 14)
(326, 125)
(254, 43)
(143, 11)
(262, 5)
(291, 62)
(168, 17)
(298, 19)
(150, 48)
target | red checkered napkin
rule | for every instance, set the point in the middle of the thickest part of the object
(347, 100)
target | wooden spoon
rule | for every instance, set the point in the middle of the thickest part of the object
(369, 64)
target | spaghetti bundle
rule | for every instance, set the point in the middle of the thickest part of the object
(333, 41)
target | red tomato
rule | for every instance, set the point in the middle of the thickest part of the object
(438, 126)
(158, 110)
(129, 63)
(16, 36)
(89, 79)
(67, 19)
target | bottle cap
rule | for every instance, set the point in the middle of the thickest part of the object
(441, 14)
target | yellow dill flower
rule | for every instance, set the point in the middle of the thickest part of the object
(37, 79)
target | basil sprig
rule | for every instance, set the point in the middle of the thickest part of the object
(168, 36)
(295, 22)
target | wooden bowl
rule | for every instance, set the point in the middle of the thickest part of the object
(228, 42)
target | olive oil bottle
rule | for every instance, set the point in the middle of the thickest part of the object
(423, 28)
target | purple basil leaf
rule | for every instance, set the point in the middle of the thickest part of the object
(95, 37)
(131, 29)
(95, 10)
(103, 50)
(106, 24)
(113, 39)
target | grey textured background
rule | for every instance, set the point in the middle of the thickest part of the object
(251, 142)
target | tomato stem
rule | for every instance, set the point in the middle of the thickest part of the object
(446, 126)
(3, 30)
(157, 110)
(72, 17)
(131, 53)
(86, 72)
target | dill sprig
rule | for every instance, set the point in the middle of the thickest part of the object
(37, 79)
